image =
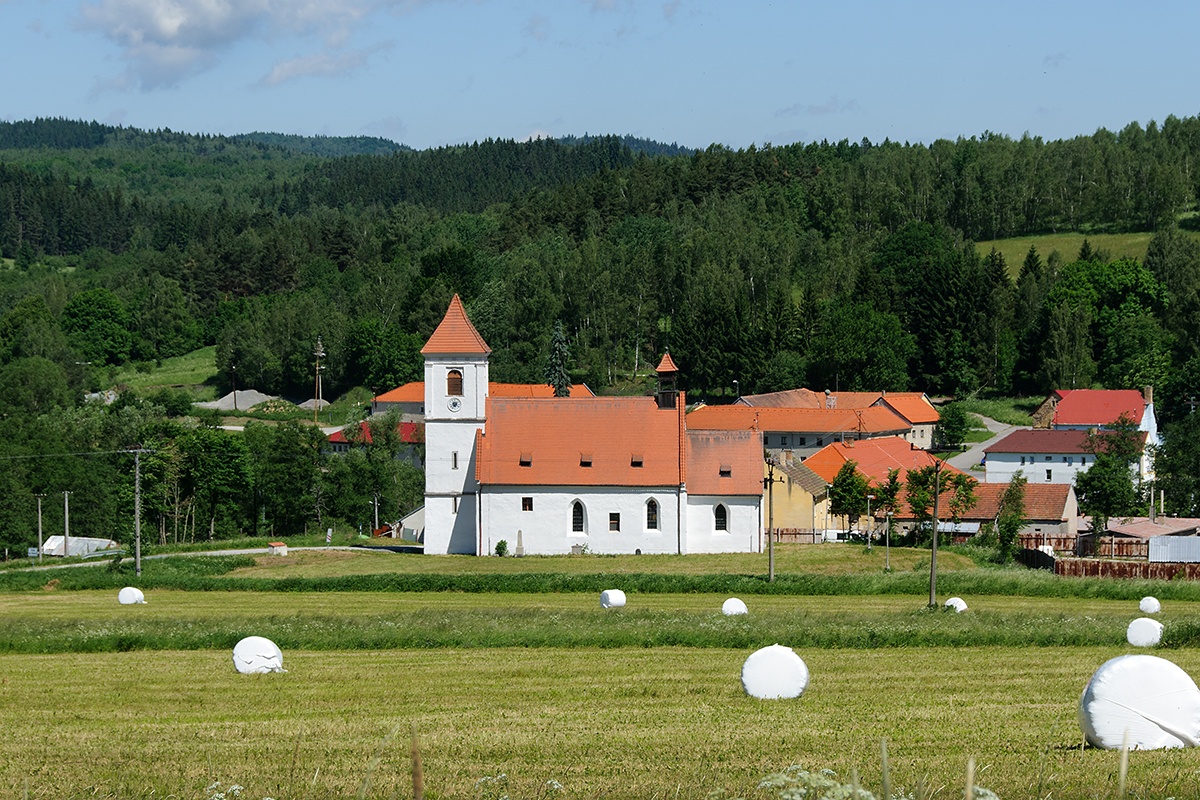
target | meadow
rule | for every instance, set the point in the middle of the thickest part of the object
(544, 694)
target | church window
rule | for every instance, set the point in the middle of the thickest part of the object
(577, 517)
(721, 517)
(454, 383)
(454, 459)
(527, 504)
(614, 521)
(652, 515)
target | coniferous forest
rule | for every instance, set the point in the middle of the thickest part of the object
(844, 264)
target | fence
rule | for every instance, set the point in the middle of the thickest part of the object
(1175, 549)
(1113, 547)
(1060, 542)
(1091, 568)
(798, 535)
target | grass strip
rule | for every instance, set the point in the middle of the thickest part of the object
(202, 573)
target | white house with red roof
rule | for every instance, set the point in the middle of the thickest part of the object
(916, 415)
(1090, 409)
(1047, 456)
(554, 475)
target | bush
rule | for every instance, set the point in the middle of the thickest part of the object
(502, 548)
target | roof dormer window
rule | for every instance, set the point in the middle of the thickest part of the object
(726, 471)
(635, 460)
(585, 459)
(526, 459)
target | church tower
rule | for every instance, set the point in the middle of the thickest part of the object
(456, 390)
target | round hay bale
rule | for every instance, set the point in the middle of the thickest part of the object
(957, 603)
(257, 654)
(1144, 632)
(733, 606)
(130, 595)
(1147, 698)
(612, 598)
(774, 673)
(1150, 605)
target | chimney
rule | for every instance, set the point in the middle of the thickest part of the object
(1148, 395)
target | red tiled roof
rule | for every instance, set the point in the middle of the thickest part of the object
(667, 364)
(410, 433)
(455, 334)
(415, 392)
(408, 393)
(1099, 406)
(874, 458)
(872, 420)
(554, 437)
(912, 406)
(1043, 440)
(1043, 501)
(724, 463)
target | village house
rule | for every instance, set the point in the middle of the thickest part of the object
(557, 475)
(1088, 409)
(913, 408)
(799, 502)
(409, 399)
(794, 434)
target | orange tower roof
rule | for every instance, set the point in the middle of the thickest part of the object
(666, 365)
(455, 334)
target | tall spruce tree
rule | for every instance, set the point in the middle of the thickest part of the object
(557, 374)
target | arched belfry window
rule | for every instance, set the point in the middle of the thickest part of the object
(721, 517)
(454, 383)
(652, 515)
(577, 517)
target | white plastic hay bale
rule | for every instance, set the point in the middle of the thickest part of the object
(130, 595)
(957, 603)
(256, 654)
(733, 606)
(612, 598)
(774, 673)
(1150, 605)
(1144, 632)
(1147, 698)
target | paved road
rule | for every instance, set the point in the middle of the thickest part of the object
(969, 460)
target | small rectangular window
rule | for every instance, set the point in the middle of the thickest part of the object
(614, 521)
(1047, 474)
(803, 441)
(585, 459)
(454, 460)
(1070, 461)
(726, 471)
(527, 504)
(1083, 461)
(526, 459)
(635, 461)
(454, 503)
(1022, 462)
(1049, 458)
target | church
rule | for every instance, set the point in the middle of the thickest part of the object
(551, 475)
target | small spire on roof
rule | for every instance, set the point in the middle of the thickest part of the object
(666, 365)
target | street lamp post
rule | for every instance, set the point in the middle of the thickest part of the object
(771, 480)
(870, 521)
(828, 489)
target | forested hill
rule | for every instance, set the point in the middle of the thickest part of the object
(844, 264)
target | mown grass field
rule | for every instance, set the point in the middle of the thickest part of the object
(190, 371)
(1118, 245)
(110, 701)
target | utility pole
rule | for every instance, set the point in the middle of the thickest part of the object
(319, 353)
(233, 374)
(937, 493)
(770, 481)
(870, 521)
(66, 524)
(137, 509)
(39, 502)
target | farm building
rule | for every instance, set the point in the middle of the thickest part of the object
(555, 475)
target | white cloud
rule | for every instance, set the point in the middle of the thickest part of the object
(166, 41)
(833, 105)
(321, 64)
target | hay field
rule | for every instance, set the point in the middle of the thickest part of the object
(100, 700)
(638, 723)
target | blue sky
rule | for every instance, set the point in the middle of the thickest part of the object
(435, 72)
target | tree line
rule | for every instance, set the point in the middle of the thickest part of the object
(840, 265)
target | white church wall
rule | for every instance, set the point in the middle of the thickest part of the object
(546, 529)
(744, 534)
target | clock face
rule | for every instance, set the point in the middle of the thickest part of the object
(454, 404)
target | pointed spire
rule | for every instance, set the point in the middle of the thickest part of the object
(667, 365)
(455, 334)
